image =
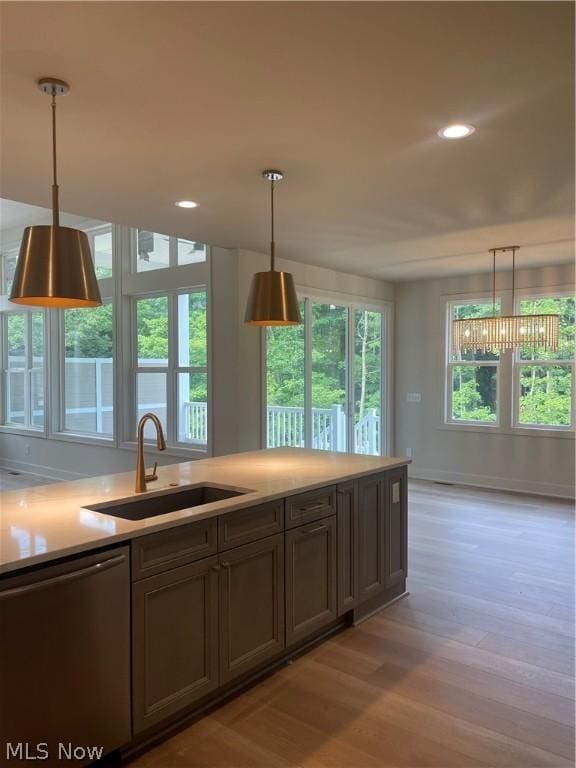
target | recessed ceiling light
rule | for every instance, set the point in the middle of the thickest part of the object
(186, 204)
(456, 131)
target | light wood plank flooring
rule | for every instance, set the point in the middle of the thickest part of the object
(474, 668)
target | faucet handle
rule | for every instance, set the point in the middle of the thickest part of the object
(152, 475)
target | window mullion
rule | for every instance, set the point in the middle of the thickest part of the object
(307, 373)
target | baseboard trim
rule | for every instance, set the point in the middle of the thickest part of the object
(40, 471)
(495, 483)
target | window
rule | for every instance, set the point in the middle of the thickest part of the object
(544, 380)
(148, 341)
(157, 251)
(324, 379)
(24, 342)
(472, 376)
(171, 376)
(101, 246)
(8, 266)
(88, 391)
(538, 388)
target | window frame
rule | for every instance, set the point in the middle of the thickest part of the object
(172, 253)
(506, 393)
(27, 428)
(451, 364)
(386, 308)
(119, 290)
(518, 363)
(60, 430)
(171, 371)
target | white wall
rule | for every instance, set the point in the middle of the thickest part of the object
(517, 462)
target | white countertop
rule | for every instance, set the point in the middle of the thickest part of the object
(48, 522)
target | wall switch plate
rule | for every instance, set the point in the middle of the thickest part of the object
(413, 397)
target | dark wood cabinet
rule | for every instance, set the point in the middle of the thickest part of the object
(310, 579)
(174, 640)
(347, 546)
(372, 544)
(251, 606)
(396, 527)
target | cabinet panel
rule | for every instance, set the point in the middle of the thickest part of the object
(347, 546)
(246, 525)
(174, 640)
(312, 505)
(173, 547)
(251, 606)
(310, 579)
(396, 529)
(371, 518)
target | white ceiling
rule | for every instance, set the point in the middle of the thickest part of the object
(193, 99)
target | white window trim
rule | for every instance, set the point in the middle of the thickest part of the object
(506, 406)
(449, 365)
(119, 290)
(171, 371)
(27, 428)
(351, 302)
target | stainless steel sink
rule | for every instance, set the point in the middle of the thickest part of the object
(142, 507)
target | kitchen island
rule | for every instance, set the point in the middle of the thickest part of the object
(260, 555)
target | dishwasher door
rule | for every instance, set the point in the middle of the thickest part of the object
(65, 660)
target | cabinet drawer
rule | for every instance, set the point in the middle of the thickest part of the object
(246, 525)
(313, 505)
(177, 546)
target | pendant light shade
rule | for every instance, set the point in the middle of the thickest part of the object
(55, 267)
(501, 332)
(272, 299)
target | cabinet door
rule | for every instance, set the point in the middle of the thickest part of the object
(251, 606)
(371, 518)
(347, 546)
(174, 640)
(310, 579)
(396, 528)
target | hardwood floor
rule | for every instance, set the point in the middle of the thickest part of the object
(474, 668)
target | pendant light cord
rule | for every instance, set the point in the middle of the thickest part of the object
(494, 282)
(272, 247)
(513, 276)
(55, 205)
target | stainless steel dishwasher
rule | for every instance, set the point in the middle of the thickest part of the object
(65, 660)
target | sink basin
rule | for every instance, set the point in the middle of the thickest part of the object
(142, 507)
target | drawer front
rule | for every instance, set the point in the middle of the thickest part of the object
(177, 546)
(310, 506)
(246, 525)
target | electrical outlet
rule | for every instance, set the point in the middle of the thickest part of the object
(27, 449)
(408, 453)
(413, 397)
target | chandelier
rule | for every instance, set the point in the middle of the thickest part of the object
(499, 332)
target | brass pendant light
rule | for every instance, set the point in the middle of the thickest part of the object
(55, 267)
(501, 332)
(272, 299)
